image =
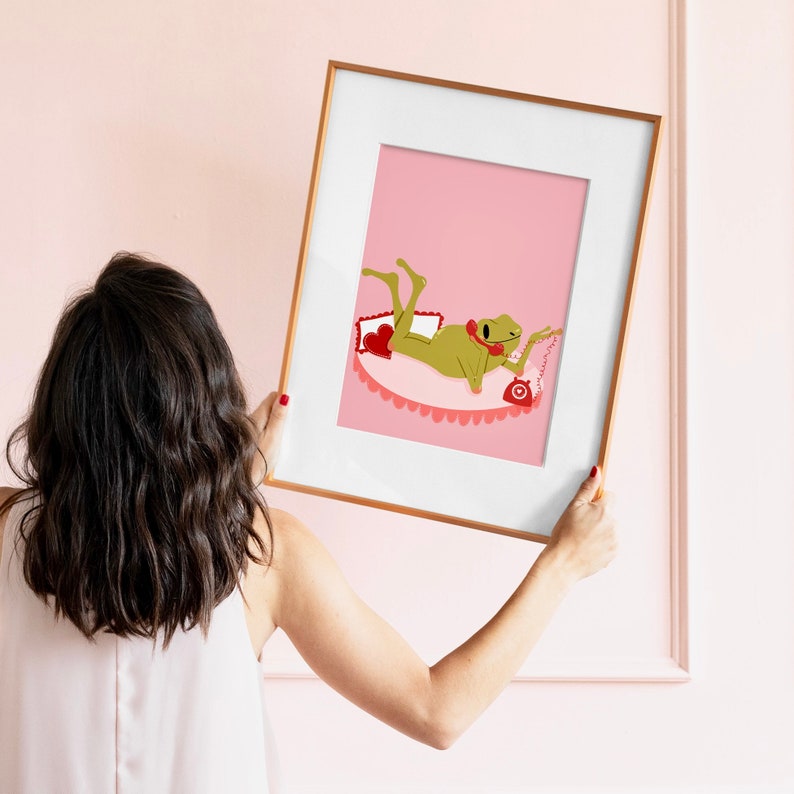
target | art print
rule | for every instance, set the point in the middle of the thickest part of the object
(462, 303)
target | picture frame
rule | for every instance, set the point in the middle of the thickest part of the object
(462, 298)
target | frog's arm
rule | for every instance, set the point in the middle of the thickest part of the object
(517, 367)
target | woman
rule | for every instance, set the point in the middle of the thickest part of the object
(142, 572)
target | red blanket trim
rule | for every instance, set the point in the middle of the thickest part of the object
(436, 413)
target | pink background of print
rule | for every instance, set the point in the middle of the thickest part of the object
(490, 239)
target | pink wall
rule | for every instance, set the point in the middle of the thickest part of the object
(187, 129)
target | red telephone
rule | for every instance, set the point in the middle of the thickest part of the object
(519, 392)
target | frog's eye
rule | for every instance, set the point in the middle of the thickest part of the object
(486, 331)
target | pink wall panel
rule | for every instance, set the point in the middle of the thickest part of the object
(187, 129)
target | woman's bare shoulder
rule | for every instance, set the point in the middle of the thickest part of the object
(288, 529)
(287, 538)
(282, 519)
(296, 554)
(5, 495)
(295, 547)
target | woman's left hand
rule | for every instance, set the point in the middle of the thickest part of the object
(268, 420)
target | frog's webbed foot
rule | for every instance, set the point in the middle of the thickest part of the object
(390, 279)
(417, 282)
(540, 335)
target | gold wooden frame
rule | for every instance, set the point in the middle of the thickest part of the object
(655, 121)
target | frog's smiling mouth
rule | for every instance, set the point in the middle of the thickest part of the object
(510, 338)
(516, 334)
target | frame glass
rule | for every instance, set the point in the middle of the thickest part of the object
(462, 298)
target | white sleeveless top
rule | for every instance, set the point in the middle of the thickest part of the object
(119, 715)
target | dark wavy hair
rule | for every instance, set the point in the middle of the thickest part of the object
(138, 450)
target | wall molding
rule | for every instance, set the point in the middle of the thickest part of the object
(288, 664)
(410, 788)
(282, 661)
(679, 475)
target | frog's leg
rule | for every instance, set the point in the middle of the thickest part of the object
(402, 326)
(391, 280)
(403, 341)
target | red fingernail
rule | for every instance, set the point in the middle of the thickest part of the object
(284, 399)
(593, 471)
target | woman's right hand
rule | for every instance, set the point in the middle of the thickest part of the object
(584, 540)
(268, 420)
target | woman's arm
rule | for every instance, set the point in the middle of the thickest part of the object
(366, 660)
